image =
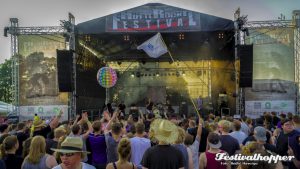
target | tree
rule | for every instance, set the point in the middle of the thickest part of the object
(6, 81)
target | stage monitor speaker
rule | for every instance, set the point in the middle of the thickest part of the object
(245, 53)
(64, 70)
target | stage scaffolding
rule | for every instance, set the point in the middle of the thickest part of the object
(14, 30)
(242, 31)
(67, 29)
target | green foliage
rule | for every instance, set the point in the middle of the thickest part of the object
(6, 81)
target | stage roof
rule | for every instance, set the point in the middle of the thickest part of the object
(189, 35)
(155, 17)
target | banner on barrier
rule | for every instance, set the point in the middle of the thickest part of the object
(45, 112)
(255, 109)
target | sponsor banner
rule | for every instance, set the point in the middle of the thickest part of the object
(255, 109)
(160, 18)
(45, 112)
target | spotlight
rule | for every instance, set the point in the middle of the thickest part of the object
(132, 74)
(177, 74)
(5, 31)
(119, 62)
(157, 74)
(221, 35)
(143, 62)
(87, 38)
(183, 73)
(181, 36)
(126, 37)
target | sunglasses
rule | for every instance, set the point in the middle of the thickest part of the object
(66, 154)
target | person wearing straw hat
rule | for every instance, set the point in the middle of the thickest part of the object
(71, 154)
(163, 155)
(39, 127)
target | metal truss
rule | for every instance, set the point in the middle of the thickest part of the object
(44, 30)
(14, 30)
(296, 21)
(274, 24)
(15, 66)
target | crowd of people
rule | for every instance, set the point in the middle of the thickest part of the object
(135, 140)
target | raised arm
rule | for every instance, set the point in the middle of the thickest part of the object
(76, 120)
(113, 118)
(85, 119)
(54, 123)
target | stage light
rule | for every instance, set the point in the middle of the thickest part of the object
(221, 35)
(132, 75)
(183, 73)
(157, 74)
(126, 37)
(181, 36)
(5, 31)
(87, 38)
(177, 74)
(119, 62)
(143, 62)
(138, 74)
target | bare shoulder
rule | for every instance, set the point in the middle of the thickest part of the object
(109, 166)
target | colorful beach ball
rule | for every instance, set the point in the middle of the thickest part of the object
(107, 77)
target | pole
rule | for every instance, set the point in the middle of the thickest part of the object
(107, 96)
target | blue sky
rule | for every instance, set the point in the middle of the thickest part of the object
(49, 12)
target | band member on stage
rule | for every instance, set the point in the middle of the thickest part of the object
(149, 107)
(122, 108)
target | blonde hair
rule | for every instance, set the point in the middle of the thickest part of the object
(56, 154)
(59, 132)
(226, 125)
(8, 144)
(181, 136)
(213, 127)
(256, 148)
(37, 149)
(124, 148)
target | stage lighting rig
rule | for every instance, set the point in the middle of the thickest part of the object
(241, 21)
(6, 31)
(126, 37)
(181, 36)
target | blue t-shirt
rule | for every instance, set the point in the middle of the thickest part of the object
(98, 148)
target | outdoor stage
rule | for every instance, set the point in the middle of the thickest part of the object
(206, 52)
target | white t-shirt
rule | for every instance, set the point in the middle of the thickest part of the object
(84, 166)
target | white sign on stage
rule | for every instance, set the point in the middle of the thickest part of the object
(255, 109)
